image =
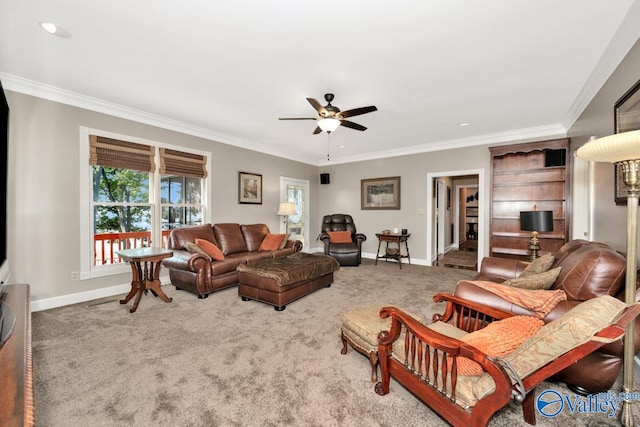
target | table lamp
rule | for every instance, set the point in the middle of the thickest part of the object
(623, 150)
(536, 221)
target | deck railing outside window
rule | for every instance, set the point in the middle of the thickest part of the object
(106, 245)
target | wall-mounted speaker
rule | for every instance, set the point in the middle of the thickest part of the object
(324, 178)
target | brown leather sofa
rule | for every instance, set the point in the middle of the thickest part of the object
(239, 244)
(589, 269)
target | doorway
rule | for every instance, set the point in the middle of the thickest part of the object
(443, 207)
(296, 191)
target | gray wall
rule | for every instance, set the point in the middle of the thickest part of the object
(343, 194)
(44, 200)
(597, 120)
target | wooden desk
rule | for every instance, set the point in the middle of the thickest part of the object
(16, 371)
(393, 238)
(145, 269)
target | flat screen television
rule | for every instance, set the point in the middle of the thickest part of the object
(7, 319)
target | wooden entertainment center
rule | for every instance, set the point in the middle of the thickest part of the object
(16, 370)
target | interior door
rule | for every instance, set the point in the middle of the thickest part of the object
(296, 191)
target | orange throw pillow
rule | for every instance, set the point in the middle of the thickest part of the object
(212, 250)
(497, 339)
(271, 242)
(339, 236)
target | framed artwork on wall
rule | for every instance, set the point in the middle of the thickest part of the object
(627, 118)
(249, 188)
(380, 193)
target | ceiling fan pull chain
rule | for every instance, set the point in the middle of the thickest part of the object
(328, 146)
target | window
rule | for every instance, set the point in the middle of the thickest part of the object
(130, 202)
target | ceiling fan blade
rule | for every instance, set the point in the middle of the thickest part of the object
(298, 118)
(317, 130)
(351, 125)
(315, 104)
(358, 111)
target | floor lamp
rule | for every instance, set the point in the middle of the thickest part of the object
(623, 150)
(285, 209)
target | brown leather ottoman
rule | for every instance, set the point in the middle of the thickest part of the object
(279, 281)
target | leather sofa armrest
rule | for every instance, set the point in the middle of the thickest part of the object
(296, 245)
(360, 237)
(502, 267)
(184, 260)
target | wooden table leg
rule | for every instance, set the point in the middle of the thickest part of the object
(153, 282)
(135, 285)
(378, 253)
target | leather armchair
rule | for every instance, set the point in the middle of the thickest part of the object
(589, 269)
(347, 254)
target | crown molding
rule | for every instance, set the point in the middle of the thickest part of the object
(626, 36)
(500, 138)
(52, 93)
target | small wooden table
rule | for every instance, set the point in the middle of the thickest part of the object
(393, 238)
(145, 269)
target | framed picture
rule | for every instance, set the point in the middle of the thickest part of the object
(249, 188)
(380, 193)
(627, 118)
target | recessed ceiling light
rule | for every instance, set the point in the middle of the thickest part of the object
(464, 124)
(55, 29)
(340, 146)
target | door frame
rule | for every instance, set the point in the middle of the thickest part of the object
(284, 181)
(433, 176)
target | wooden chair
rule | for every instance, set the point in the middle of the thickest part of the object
(426, 363)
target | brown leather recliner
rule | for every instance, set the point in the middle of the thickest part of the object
(589, 269)
(347, 254)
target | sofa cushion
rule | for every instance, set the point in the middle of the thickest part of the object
(272, 242)
(590, 271)
(212, 250)
(339, 236)
(195, 249)
(497, 339)
(180, 236)
(539, 265)
(284, 241)
(543, 280)
(230, 238)
(253, 235)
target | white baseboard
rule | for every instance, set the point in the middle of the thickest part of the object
(54, 302)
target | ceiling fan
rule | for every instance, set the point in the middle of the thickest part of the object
(330, 116)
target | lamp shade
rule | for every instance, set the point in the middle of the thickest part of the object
(536, 221)
(328, 125)
(286, 209)
(613, 148)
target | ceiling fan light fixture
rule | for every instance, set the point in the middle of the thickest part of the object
(328, 125)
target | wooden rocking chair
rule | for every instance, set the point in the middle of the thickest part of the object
(426, 364)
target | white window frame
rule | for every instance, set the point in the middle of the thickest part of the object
(87, 269)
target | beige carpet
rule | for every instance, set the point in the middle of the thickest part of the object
(224, 362)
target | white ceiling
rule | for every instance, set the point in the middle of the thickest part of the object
(226, 70)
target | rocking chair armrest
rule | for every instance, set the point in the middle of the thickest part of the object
(419, 341)
(457, 305)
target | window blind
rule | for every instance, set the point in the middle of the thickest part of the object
(174, 162)
(121, 154)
